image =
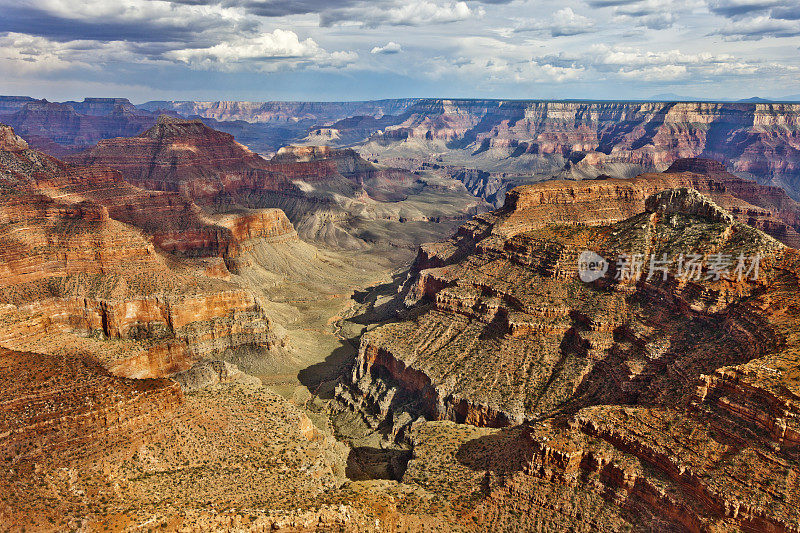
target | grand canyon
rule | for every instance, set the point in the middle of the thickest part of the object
(372, 316)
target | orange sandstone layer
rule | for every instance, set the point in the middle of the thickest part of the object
(659, 404)
(82, 263)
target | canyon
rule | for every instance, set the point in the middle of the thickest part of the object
(380, 322)
(511, 142)
(330, 195)
(652, 403)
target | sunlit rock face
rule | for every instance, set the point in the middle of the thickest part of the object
(184, 156)
(86, 269)
(327, 193)
(669, 394)
(588, 138)
(606, 200)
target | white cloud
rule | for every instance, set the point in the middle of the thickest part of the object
(564, 22)
(389, 48)
(481, 44)
(655, 73)
(410, 13)
(24, 53)
(267, 51)
(760, 27)
(643, 66)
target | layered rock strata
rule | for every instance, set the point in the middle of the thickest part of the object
(758, 139)
(329, 195)
(63, 128)
(663, 402)
(78, 274)
(609, 200)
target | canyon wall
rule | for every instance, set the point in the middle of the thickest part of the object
(329, 194)
(317, 112)
(89, 265)
(63, 128)
(514, 138)
(661, 402)
(584, 139)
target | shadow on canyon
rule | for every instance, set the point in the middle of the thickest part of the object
(366, 462)
(376, 305)
(503, 452)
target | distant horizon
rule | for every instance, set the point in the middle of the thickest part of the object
(791, 99)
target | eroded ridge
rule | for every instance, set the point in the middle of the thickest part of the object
(86, 269)
(668, 403)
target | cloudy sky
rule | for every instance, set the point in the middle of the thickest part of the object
(356, 49)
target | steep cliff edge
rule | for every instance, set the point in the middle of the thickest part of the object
(106, 290)
(584, 139)
(79, 276)
(69, 127)
(330, 195)
(184, 156)
(608, 200)
(648, 396)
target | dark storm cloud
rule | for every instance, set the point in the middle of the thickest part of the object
(787, 13)
(281, 8)
(655, 15)
(276, 8)
(610, 3)
(752, 20)
(739, 8)
(759, 28)
(33, 21)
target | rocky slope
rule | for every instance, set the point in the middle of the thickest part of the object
(56, 406)
(84, 450)
(330, 195)
(661, 402)
(85, 269)
(588, 138)
(606, 200)
(63, 128)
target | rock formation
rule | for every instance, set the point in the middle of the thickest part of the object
(210, 373)
(82, 449)
(518, 138)
(328, 194)
(63, 128)
(589, 138)
(282, 112)
(184, 156)
(598, 354)
(54, 407)
(607, 200)
(84, 268)
(657, 396)
(98, 306)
